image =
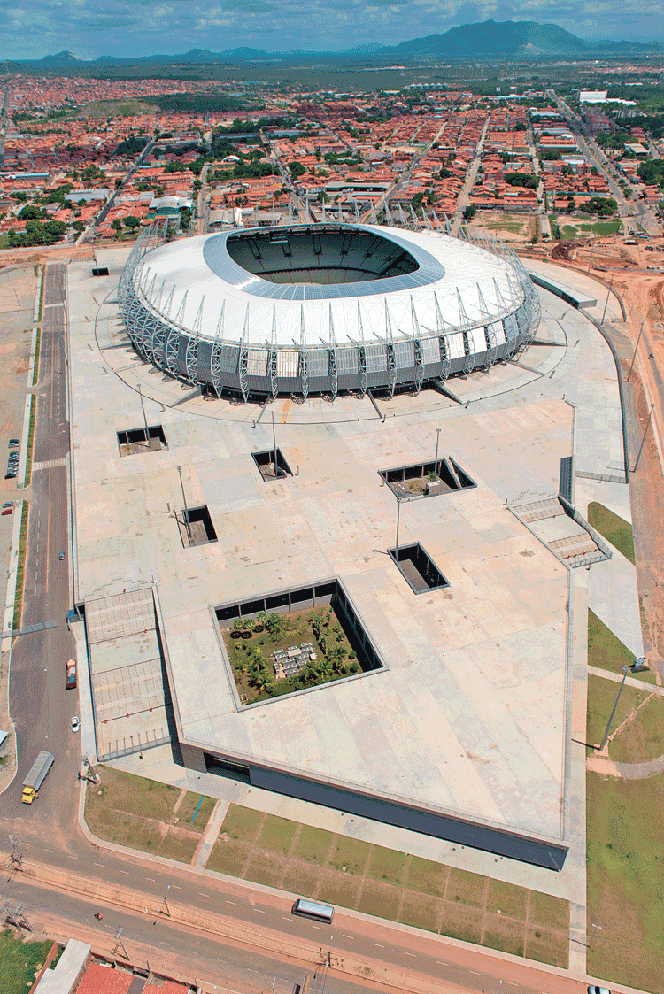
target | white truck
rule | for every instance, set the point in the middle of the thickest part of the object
(36, 776)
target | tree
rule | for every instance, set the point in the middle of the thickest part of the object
(274, 624)
(296, 169)
(132, 222)
(116, 224)
(78, 226)
(31, 213)
(470, 212)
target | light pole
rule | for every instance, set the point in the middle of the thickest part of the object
(643, 442)
(606, 304)
(437, 437)
(166, 902)
(186, 509)
(398, 513)
(615, 705)
(635, 351)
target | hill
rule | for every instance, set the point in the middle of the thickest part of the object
(494, 39)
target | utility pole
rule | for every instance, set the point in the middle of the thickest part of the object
(16, 916)
(16, 856)
(635, 350)
(118, 936)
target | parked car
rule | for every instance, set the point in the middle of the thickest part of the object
(7, 507)
(14, 441)
(593, 989)
(61, 557)
(75, 724)
(11, 474)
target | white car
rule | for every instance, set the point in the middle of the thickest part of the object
(76, 726)
(598, 990)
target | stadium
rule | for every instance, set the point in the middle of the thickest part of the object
(323, 309)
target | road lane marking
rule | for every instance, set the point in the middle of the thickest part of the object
(475, 974)
(175, 887)
(413, 956)
(99, 864)
(151, 879)
(229, 902)
(379, 945)
(258, 911)
(71, 857)
(127, 874)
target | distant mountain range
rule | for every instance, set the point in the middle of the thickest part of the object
(486, 40)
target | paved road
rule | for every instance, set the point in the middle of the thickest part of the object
(40, 706)
(49, 830)
(471, 175)
(595, 155)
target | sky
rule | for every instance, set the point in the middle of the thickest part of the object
(89, 28)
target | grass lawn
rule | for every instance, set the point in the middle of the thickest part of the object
(466, 888)
(119, 791)
(313, 845)
(643, 737)
(607, 652)
(507, 899)
(601, 697)
(463, 923)
(380, 900)
(504, 934)
(420, 912)
(427, 877)
(19, 962)
(188, 807)
(228, 857)
(276, 834)
(178, 846)
(241, 823)
(349, 855)
(387, 865)
(549, 912)
(625, 880)
(547, 946)
(615, 530)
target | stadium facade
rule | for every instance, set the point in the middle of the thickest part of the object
(325, 308)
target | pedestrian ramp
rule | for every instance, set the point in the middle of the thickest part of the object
(560, 527)
(131, 700)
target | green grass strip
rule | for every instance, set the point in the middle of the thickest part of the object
(31, 442)
(41, 297)
(20, 962)
(615, 529)
(625, 880)
(20, 572)
(35, 371)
